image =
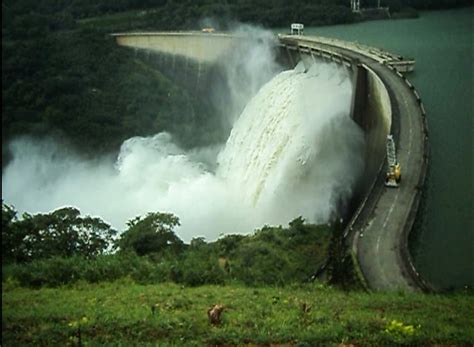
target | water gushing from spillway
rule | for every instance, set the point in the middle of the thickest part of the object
(293, 151)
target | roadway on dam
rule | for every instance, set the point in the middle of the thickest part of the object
(380, 231)
(381, 240)
(382, 243)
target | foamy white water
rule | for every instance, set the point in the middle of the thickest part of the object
(293, 151)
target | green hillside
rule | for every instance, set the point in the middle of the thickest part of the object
(124, 313)
(61, 286)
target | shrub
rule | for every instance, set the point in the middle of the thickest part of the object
(152, 234)
(199, 267)
(58, 271)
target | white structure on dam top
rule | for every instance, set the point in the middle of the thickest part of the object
(297, 29)
(355, 5)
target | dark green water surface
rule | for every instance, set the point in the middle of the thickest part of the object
(442, 44)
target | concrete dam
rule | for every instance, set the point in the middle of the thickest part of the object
(384, 102)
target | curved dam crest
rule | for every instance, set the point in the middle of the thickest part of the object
(384, 102)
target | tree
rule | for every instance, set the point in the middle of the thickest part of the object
(200, 266)
(11, 239)
(152, 234)
(63, 232)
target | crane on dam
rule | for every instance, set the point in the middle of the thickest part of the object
(393, 176)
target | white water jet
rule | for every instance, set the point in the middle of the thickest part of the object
(293, 151)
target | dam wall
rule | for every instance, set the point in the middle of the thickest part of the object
(375, 118)
(192, 55)
(384, 102)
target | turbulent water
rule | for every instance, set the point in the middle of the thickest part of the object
(293, 151)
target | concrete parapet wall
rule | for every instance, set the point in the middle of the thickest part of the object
(377, 121)
(325, 44)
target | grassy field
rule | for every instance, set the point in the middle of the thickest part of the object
(120, 313)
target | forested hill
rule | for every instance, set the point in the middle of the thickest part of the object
(182, 13)
(62, 74)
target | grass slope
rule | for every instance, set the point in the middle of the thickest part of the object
(119, 313)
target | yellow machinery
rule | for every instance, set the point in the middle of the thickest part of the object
(394, 175)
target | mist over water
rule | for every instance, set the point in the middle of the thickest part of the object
(249, 66)
(292, 151)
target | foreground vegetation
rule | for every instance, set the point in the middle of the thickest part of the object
(126, 313)
(63, 247)
(67, 279)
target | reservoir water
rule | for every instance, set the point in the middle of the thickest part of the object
(442, 44)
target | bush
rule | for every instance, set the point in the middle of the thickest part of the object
(260, 263)
(61, 233)
(52, 272)
(199, 267)
(58, 271)
(270, 256)
(152, 234)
